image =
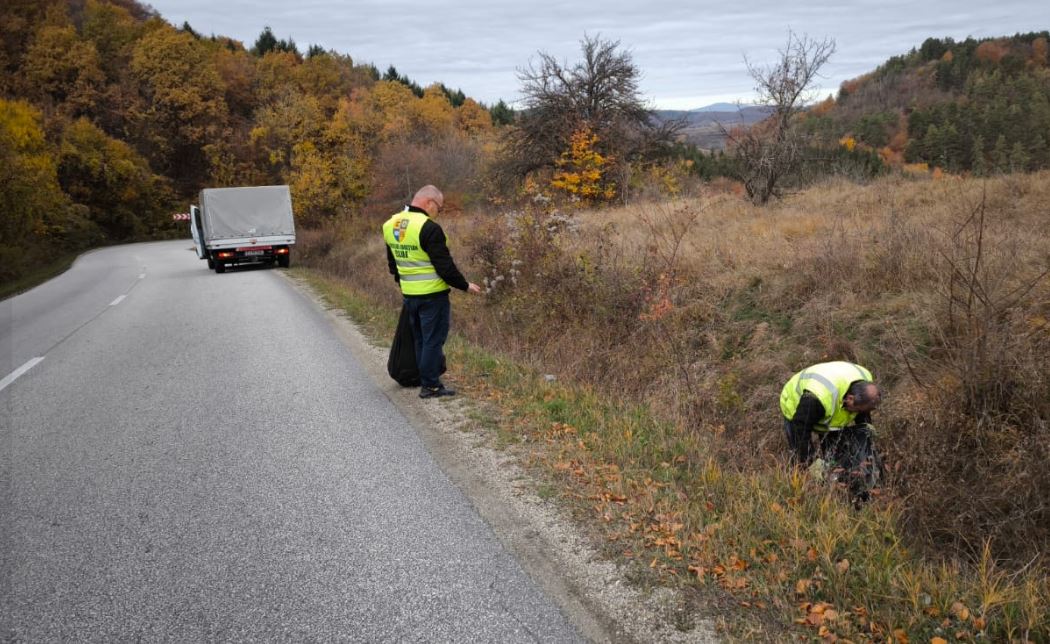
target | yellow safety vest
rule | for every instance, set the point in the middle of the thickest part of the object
(827, 381)
(416, 274)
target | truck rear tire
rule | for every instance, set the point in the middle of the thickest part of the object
(220, 267)
(211, 263)
(284, 260)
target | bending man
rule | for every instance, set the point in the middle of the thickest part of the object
(824, 399)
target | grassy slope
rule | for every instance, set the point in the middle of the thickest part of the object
(676, 324)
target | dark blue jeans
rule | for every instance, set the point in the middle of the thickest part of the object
(430, 321)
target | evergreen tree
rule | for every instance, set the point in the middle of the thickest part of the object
(1037, 150)
(933, 146)
(265, 43)
(1018, 158)
(951, 148)
(502, 114)
(977, 161)
(1001, 155)
(456, 97)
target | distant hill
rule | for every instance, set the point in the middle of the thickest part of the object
(703, 125)
(719, 107)
(978, 106)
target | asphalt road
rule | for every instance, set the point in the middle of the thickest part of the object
(187, 456)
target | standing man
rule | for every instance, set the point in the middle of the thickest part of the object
(417, 252)
(825, 398)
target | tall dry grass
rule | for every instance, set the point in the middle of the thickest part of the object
(700, 309)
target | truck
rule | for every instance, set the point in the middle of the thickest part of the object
(247, 225)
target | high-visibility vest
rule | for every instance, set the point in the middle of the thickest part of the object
(416, 274)
(827, 381)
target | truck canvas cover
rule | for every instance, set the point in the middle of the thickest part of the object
(257, 211)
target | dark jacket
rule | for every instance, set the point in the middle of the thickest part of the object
(800, 428)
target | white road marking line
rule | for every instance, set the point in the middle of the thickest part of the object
(117, 301)
(11, 377)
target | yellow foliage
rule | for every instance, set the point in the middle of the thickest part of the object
(473, 118)
(582, 169)
(433, 114)
(917, 168)
(848, 142)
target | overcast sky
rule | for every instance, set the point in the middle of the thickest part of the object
(691, 54)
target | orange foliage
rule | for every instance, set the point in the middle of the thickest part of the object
(848, 142)
(948, 56)
(890, 156)
(852, 85)
(990, 51)
(1039, 52)
(473, 118)
(823, 107)
(900, 138)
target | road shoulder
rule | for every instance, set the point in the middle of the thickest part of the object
(592, 592)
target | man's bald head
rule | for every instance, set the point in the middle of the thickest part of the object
(862, 396)
(429, 198)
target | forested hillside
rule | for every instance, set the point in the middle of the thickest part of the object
(980, 106)
(111, 119)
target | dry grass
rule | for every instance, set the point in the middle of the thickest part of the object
(679, 321)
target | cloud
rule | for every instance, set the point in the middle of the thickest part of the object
(686, 50)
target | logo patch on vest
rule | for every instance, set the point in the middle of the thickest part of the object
(400, 227)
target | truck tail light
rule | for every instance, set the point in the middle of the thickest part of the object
(225, 255)
(281, 251)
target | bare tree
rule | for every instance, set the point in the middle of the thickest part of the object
(599, 92)
(771, 150)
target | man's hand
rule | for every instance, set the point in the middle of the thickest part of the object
(473, 288)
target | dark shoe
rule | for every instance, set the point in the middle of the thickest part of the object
(434, 392)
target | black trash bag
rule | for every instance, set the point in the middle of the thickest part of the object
(401, 365)
(854, 460)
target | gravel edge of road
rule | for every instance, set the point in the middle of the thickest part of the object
(592, 592)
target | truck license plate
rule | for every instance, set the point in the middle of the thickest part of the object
(254, 252)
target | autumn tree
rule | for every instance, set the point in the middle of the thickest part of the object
(771, 150)
(293, 120)
(36, 213)
(599, 93)
(433, 114)
(276, 75)
(28, 181)
(328, 77)
(123, 196)
(472, 118)
(179, 109)
(113, 31)
(63, 71)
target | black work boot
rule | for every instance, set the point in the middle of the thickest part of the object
(435, 392)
